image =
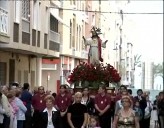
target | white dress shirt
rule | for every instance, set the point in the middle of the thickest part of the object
(50, 123)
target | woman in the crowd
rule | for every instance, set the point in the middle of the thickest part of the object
(50, 116)
(126, 117)
(21, 109)
(88, 101)
(72, 93)
(77, 113)
(2, 111)
(118, 104)
(160, 105)
(148, 110)
(14, 108)
(138, 109)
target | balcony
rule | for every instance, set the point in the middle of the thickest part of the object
(54, 43)
(3, 22)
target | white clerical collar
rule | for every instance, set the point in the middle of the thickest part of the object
(46, 110)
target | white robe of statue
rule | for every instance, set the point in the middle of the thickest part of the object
(93, 52)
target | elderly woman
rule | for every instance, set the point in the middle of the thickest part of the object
(126, 116)
(50, 116)
(77, 113)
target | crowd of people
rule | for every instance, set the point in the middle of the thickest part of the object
(19, 108)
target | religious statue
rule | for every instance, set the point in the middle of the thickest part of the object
(95, 43)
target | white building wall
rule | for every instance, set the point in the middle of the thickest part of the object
(148, 75)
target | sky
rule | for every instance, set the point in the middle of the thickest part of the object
(148, 29)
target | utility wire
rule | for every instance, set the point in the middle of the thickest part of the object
(78, 10)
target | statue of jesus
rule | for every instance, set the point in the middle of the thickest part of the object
(95, 43)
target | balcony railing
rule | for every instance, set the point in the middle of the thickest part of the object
(54, 36)
(54, 43)
(3, 21)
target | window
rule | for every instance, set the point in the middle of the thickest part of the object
(83, 46)
(127, 61)
(16, 33)
(3, 72)
(82, 6)
(26, 9)
(80, 38)
(70, 42)
(53, 24)
(45, 40)
(127, 73)
(77, 36)
(86, 10)
(4, 24)
(73, 35)
(74, 2)
(38, 39)
(93, 20)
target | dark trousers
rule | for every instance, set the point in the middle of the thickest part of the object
(64, 122)
(6, 122)
(105, 120)
(159, 122)
(145, 123)
(37, 119)
(20, 123)
(28, 122)
(141, 122)
(1, 125)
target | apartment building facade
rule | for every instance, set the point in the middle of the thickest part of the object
(26, 36)
(81, 19)
(41, 41)
(123, 44)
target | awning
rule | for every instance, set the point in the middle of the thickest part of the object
(55, 12)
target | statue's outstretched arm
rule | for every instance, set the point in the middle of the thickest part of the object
(104, 44)
(87, 41)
